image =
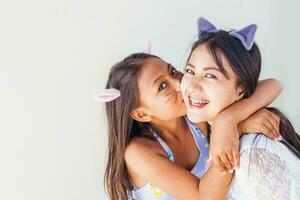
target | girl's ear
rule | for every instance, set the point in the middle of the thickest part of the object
(141, 115)
(240, 93)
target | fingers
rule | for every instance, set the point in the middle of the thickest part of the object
(229, 161)
(275, 121)
(218, 163)
(271, 131)
(225, 161)
(236, 158)
(230, 158)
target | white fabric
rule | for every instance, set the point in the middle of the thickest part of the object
(268, 171)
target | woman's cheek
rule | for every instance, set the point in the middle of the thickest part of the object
(184, 84)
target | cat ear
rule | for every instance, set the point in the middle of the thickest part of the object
(147, 47)
(245, 35)
(108, 95)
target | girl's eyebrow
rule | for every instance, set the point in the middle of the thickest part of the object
(157, 79)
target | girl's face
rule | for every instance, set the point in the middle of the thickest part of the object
(205, 89)
(159, 91)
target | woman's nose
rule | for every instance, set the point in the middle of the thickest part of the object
(195, 85)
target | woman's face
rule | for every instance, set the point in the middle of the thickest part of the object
(159, 90)
(206, 90)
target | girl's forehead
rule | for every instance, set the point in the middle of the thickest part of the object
(153, 66)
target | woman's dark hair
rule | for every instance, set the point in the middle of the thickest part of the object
(247, 66)
(121, 127)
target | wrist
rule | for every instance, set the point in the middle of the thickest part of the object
(240, 129)
(226, 117)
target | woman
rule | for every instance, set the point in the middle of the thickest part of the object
(223, 68)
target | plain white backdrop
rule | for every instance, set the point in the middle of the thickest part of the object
(55, 55)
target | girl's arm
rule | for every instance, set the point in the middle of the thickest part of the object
(262, 121)
(151, 166)
(224, 149)
(266, 92)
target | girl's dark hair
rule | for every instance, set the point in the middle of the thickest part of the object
(121, 127)
(247, 66)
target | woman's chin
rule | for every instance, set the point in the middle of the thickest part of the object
(195, 118)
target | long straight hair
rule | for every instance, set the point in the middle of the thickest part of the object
(247, 66)
(121, 127)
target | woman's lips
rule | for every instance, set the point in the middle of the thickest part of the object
(197, 103)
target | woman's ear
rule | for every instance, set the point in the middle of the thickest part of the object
(141, 115)
(240, 93)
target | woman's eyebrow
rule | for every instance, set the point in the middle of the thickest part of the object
(191, 65)
(205, 68)
(211, 68)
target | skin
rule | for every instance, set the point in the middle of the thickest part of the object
(204, 80)
(146, 161)
(161, 104)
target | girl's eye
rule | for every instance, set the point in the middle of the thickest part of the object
(210, 76)
(174, 71)
(162, 86)
(189, 71)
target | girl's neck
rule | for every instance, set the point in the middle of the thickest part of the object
(171, 129)
(203, 127)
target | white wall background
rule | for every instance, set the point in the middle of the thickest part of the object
(54, 55)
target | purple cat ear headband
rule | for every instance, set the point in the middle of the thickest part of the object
(111, 94)
(245, 35)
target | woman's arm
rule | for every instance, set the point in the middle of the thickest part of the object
(225, 136)
(155, 168)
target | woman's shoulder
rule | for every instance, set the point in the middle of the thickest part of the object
(259, 141)
(255, 145)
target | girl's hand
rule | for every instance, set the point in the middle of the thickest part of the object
(262, 121)
(224, 144)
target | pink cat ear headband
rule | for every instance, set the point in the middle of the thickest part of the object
(111, 94)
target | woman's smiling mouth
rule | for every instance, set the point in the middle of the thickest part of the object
(197, 102)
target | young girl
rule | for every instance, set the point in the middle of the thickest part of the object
(224, 68)
(149, 137)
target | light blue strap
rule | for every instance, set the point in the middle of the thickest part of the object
(203, 146)
(164, 146)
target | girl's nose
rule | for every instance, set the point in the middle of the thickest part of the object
(179, 75)
(177, 80)
(177, 86)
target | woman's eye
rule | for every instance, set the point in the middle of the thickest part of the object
(210, 76)
(189, 71)
(162, 86)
